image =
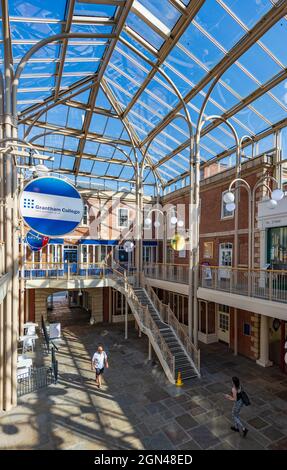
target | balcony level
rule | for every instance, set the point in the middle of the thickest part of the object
(258, 291)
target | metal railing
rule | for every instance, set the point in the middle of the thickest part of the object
(145, 319)
(36, 378)
(259, 283)
(63, 270)
(33, 380)
(167, 272)
(167, 316)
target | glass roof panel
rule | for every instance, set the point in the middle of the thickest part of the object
(162, 10)
(36, 8)
(139, 46)
(94, 9)
(202, 48)
(147, 33)
(280, 91)
(277, 47)
(219, 24)
(91, 28)
(269, 108)
(217, 27)
(259, 63)
(29, 30)
(249, 11)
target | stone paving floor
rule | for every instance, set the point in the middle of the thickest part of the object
(138, 409)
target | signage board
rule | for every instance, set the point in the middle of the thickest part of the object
(51, 206)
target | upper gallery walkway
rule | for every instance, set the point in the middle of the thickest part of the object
(257, 290)
(137, 408)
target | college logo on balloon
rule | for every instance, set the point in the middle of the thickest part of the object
(51, 206)
(36, 241)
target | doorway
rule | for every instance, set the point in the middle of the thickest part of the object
(225, 259)
(71, 258)
(223, 324)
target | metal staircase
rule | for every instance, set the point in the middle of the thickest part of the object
(168, 337)
(182, 361)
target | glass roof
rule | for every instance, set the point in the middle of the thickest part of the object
(93, 102)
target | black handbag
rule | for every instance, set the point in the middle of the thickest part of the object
(245, 398)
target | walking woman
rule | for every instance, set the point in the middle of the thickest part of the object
(236, 397)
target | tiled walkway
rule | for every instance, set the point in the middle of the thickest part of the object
(138, 409)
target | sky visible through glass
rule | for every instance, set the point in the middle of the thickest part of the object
(92, 129)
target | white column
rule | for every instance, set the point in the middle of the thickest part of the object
(264, 343)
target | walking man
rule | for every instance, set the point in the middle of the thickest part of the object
(99, 362)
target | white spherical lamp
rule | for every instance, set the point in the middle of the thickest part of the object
(228, 197)
(230, 207)
(157, 224)
(272, 203)
(173, 220)
(128, 246)
(277, 195)
(148, 221)
(180, 223)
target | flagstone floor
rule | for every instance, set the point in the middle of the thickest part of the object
(137, 408)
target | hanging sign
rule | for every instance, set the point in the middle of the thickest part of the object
(51, 206)
(36, 241)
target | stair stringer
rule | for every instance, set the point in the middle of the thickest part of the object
(148, 333)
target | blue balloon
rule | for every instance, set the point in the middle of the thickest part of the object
(36, 241)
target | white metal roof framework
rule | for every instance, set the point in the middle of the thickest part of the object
(89, 101)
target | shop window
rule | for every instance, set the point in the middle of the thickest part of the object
(225, 214)
(246, 329)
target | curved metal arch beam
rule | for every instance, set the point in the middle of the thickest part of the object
(126, 155)
(43, 134)
(39, 45)
(23, 142)
(187, 115)
(215, 117)
(61, 37)
(53, 105)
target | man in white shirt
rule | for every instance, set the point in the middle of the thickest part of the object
(99, 362)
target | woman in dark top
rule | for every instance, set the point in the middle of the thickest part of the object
(238, 403)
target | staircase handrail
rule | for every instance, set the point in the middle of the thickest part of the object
(147, 321)
(168, 316)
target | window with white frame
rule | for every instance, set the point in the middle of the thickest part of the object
(123, 217)
(85, 219)
(225, 214)
(84, 253)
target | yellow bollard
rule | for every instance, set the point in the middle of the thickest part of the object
(179, 382)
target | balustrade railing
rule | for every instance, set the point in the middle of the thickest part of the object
(146, 319)
(167, 316)
(259, 283)
(167, 272)
(63, 270)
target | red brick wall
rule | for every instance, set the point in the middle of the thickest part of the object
(243, 342)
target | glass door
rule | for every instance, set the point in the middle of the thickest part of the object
(223, 326)
(225, 259)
